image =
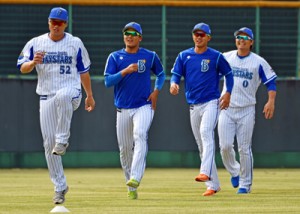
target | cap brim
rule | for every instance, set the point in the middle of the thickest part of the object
(238, 32)
(58, 19)
(199, 29)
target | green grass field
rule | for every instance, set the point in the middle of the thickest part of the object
(161, 191)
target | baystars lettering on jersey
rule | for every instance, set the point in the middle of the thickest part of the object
(57, 58)
(242, 73)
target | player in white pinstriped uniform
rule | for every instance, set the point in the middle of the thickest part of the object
(249, 70)
(201, 66)
(62, 64)
(129, 71)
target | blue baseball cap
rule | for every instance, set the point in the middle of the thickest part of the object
(136, 26)
(59, 13)
(202, 26)
(245, 30)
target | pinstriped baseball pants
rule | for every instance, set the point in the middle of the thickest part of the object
(55, 120)
(204, 119)
(237, 122)
(132, 133)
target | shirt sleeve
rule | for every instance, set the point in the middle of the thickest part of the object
(27, 54)
(266, 72)
(158, 70)
(223, 66)
(83, 59)
(177, 70)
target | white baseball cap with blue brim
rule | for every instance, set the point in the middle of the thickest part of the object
(245, 30)
(136, 26)
(202, 26)
(59, 13)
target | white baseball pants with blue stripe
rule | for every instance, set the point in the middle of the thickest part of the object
(237, 122)
(132, 133)
(204, 119)
(55, 120)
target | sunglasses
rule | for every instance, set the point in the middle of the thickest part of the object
(239, 37)
(58, 23)
(201, 34)
(131, 33)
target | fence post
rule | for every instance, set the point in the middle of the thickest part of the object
(257, 30)
(70, 23)
(164, 36)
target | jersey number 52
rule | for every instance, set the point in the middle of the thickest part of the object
(65, 69)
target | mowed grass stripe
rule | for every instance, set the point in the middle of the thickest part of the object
(162, 190)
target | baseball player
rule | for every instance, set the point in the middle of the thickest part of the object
(249, 70)
(129, 71)
(62, 64)
(201, 67)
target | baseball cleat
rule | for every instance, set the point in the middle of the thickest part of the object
(235, 181)
(202, 178)
(133, 183)
(60, 148)
(211, 192)
(59, 197)
(132, 194)
(243, 191)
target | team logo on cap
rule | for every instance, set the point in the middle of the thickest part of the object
(59, 12)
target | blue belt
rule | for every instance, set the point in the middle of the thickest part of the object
(43, 97)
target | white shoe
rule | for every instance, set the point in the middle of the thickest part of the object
(60, 149)
(59, 197)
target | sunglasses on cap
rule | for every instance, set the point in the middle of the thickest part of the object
(57, 22)
(201, 34)
(131, 33)
(239, 37)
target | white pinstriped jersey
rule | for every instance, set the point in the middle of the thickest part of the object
(248, 73)
(63, 62)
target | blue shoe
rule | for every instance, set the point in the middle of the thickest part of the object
(243, 191)
(235, 181)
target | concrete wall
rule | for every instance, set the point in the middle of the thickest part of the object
(170, 131)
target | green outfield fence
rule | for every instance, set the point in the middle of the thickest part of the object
(154, 159)
(166, 25)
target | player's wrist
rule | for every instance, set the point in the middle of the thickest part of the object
(33, 63)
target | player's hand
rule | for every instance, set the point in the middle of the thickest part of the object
(153, 97)
(130, 69)
(38, 58)
(89, 104)
(269, 110)
(224, 101)
(174, 89)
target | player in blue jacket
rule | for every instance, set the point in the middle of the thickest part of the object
(129, 71)
(202, 67)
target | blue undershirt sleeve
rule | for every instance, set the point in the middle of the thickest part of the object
(271, 85)
(175, 78)
(160, 79)
(229, 82)
(112, 79)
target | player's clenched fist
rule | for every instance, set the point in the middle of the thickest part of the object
(130, 69)
(89, 104)
(174, 89)
(38, 58)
